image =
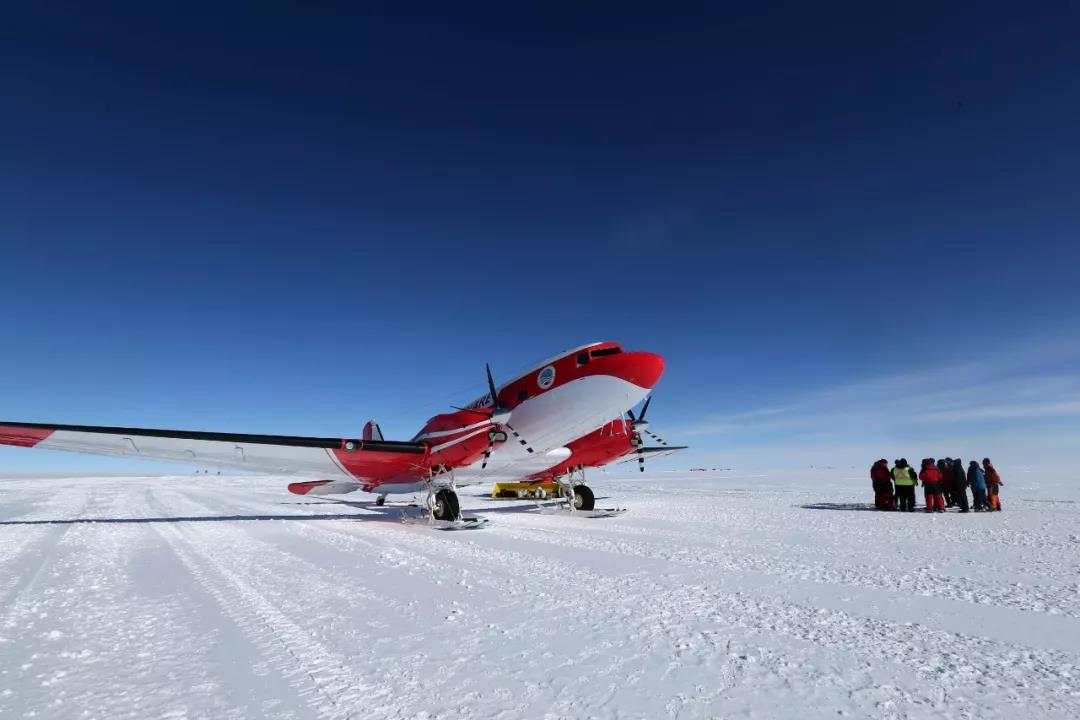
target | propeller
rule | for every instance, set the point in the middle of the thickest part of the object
(644, 409)
(500, 417)
(639, 425)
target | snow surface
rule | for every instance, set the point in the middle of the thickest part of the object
(225, 597)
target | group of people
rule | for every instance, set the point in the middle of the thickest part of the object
(945, 484)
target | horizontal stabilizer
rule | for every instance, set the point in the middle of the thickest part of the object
(324, 487)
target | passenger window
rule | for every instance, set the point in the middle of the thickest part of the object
(523, 396)
(583, 358)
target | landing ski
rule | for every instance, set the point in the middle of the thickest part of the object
(473, 522)
(602, 512)
(561, 509)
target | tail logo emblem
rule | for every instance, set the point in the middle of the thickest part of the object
(546, 378)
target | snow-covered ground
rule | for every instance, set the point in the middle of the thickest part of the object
(222, 597)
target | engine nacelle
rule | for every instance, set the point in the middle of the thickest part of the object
(461, 437)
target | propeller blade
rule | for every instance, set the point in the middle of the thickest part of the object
(524, 444)
(630, 414)
(655, 437)
(491, 386)
(645, 407)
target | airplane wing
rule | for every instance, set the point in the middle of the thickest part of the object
(278, 454)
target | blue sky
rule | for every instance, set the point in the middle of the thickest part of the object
(851, 231)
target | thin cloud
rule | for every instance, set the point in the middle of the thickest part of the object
(1009, 411)
(1011, 387)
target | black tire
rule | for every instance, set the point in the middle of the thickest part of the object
(583, 498)
(381, 500)
(446, 505)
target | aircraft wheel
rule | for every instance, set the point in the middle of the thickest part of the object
(381, 500)
(583, 498)
(446, 505)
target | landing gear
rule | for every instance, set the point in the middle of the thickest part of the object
(443, 511)
(381, 500)
(440, 499)
(583, 498)
(440, 507)
(445, 505)
(577, 494)
(579, 498)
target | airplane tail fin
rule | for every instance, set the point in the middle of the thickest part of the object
(372, 431)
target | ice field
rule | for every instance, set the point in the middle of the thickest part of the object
(714, 597)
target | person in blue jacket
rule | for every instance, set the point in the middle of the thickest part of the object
(977, 480)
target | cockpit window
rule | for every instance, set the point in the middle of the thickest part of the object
(606, 351)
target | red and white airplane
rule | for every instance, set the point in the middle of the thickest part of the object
(558, 415)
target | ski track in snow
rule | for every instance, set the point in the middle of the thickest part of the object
(227, 597)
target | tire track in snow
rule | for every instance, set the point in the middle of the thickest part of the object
(35, 545)
(466, 625)
(436, 555)
(442, 558)
(536, 592)
(323, 677)
(342, 586)
(83, 617)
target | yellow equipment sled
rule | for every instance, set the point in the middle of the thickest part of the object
(524, 490)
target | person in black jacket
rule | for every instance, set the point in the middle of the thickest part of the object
(944, 466)
(959, 484)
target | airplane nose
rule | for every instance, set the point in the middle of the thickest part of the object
(642, 368)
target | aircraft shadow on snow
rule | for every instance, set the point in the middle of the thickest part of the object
(395, 510)
(838, 506)
(375, 513)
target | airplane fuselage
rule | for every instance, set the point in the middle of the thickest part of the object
(556, 402)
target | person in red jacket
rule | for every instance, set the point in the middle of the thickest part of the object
(931, 480)
(993, 486)
(881, 479)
